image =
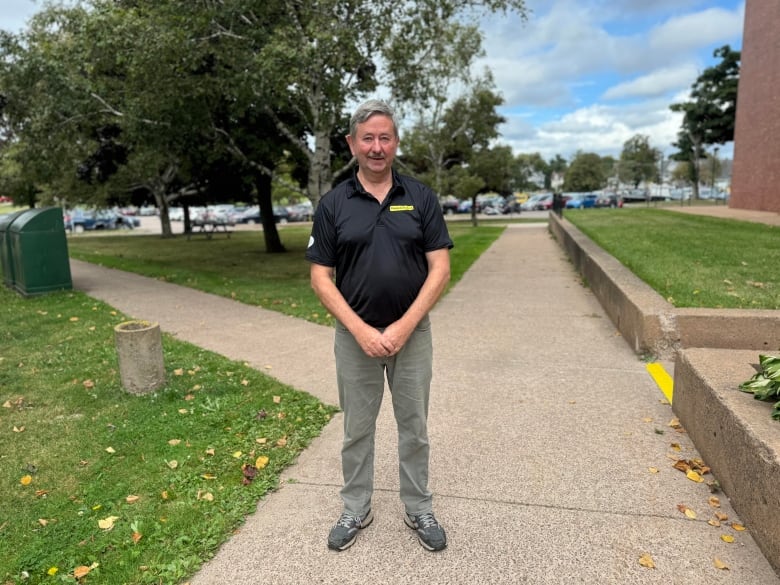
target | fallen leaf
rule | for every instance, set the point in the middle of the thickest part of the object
(714, 522)
(189, 397)
(687, 511)
(261, 441)
(210, 451)
(693, 476)
(183, 411)
(52, 571)
(110, 450)
(237, 454)
(737, 527)
(136, 536)
(164, 494)
(720, 564)
(132, 499)
(647, 561)
(74, 319)
(178, 372)
(245, 382)
(209, 476)
(7, 404)
(18, 429)
(208, 496)
(647, 419)
(722, 517)
(43, 521)
(277, 399)
(173, 464)
(652, 469)
(675, 423)
(88, 384)
(108, 522)
(282, 442)
(26, 480)
(41, 493)
(174, 442)
(714, 501)
(261, 462)
(727, 538)
(676, 446)
(197, 387)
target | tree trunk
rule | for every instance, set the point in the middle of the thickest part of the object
(320, 173)
(273, 243)
(162, 204)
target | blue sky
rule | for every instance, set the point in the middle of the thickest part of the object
(586, 74)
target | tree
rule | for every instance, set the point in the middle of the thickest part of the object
(708, 118)
(527, 166)
(638, 161)
(586, 173)
(555, 166)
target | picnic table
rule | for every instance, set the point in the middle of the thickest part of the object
(209, 228)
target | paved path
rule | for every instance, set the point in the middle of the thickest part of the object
(544, 428)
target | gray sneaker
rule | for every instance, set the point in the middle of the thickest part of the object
(344, 533)
(429, 532)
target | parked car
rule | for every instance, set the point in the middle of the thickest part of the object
(252, 215)
(609, 200)
(300, 212)
(581, 201)
(79, 220)
(449, 205)
(530, 203)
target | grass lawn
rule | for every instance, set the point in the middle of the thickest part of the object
(137, 489)
(143, 489)
(691, 260)
(239, 267)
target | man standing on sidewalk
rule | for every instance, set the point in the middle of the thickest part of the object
(382, 235)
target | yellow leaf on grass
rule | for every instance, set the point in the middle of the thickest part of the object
(209, 476)
(277, 399)
(88, 384)
(52, 571)
(110, 450)
(74, 319)
(693, 476)
(210, 451)
(18, 429)
(136, 536)
(82, 570)
(178, 372)
(132, 499)
(237, 454)
(720, 564)
(727, 538)
(261, 462)
(183, 411)
(282, 442)
(26, 480)
(245, 382)
(174, 442)
(173, 464)
(107, 523)
(647, 561)
(261, 441)
(43, 521)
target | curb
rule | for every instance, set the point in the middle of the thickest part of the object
(712, 350)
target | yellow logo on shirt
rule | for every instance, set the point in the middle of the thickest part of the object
(402, 208)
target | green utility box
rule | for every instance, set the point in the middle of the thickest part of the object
(39, 251)
(6, 256)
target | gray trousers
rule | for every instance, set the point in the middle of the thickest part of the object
(361, 384)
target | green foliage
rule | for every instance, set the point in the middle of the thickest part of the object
(586, 173)
(765, 384)
(638, 161)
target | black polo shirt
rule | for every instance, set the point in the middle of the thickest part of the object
(378, 250)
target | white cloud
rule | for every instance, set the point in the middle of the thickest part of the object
(654, 84)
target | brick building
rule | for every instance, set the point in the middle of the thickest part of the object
(755, 181)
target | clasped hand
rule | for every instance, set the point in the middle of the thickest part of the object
(385, 343)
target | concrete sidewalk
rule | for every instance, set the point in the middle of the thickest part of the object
(545, 431)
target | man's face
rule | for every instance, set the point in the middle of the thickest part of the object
(375, 144)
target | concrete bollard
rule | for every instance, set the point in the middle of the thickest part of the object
(139, 349)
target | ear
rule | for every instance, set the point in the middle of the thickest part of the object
(349, 142)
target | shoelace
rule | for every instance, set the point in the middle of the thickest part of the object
(426, 521)
(347, 520)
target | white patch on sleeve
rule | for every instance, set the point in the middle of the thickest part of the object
(311, 241)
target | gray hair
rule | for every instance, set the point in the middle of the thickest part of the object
(370, 108)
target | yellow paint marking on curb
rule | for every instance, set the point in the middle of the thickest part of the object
(664, 380)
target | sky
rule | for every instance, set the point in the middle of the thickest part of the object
(585, 74)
